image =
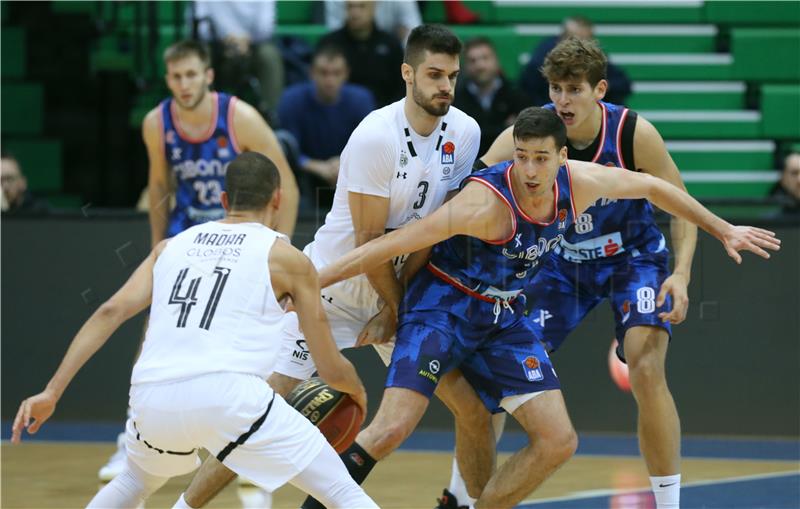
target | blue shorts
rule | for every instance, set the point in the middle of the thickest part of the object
(562, 293)
(442, 328)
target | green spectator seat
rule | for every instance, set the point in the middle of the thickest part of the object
(687, 95)
(726, 12)
(310, 33)
(761, 54)
(781, 107)
(722, 154)
(294, 12)
(675, 66)
(599, 11)
(13, 52)
(730, 184)
(23, 105)
(704, 124)
(40, 160)
(72, 7)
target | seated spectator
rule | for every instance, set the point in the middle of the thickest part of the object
(16, 198)
(321, 114)
(535, 86)
(248, 62)
(397, 17)
(485, 94)
(787, 189)
(374, 56)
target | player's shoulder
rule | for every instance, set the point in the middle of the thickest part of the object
(461, 123)
(490, 171)
(378, 128)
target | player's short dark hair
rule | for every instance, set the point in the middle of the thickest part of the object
(574, 59)
(433, 38)
(187, 48)
(479, 41)
(535, 122)
(250, 181)
(330, 52)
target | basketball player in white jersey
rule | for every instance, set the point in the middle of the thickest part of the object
(397, 167)
(214, 331)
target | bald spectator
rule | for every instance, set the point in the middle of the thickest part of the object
(535, 86)
(16, 197)
(787, 190)
(485, 94)
(374, 56)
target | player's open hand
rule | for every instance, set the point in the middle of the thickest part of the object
(676, 287)
(39, 408)
(380, 328)
(749, 238)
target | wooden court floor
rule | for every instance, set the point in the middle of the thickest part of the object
(64, 475)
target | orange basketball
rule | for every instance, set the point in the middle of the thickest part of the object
(618, 369)
(335, 413)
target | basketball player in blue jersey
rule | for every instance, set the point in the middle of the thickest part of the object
(463, 310)
(192, 136)
(615, 251)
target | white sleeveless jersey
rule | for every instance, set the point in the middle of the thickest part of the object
(385, 157)
(213, 306)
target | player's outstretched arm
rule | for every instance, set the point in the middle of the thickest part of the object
(502, 148)
(293, 274)
(255, 135)
(158, 180)
(592, 181)
(475, 211)
(133, 297)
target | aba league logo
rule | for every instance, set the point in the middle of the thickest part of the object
(448, 153)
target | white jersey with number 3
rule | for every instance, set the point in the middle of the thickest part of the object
(385, 157)
(213, 307)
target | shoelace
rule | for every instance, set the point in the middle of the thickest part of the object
(498, 308)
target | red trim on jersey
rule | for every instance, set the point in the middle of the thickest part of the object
(211, 128)
(447, 278)
(161, 140)
(231, 129)
(519, 209)
(622, 120)
(571, 194)
(602, 133)
(510, 208)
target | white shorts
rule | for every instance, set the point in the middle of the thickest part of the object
(294, 359)
(236, 417)
(349, 305)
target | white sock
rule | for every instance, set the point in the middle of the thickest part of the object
(667, 489)
(181, 504)
(457, 486)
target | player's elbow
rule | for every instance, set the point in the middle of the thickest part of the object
(112, 310)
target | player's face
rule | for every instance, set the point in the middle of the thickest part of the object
(13, 182)
(189, 81)
(536, 163)
(575, 101)
(434, 82)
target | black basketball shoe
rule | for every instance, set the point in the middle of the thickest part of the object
(449, 501)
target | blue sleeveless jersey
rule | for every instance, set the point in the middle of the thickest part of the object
(199, 164)
(500, 270)
(612, 227)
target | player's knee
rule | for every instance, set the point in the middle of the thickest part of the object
(563, 446)
(387, 437)
(646, 372)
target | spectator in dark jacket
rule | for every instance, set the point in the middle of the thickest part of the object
(787, 190)
(485, 94)
(535, 86)
(321, 114)
(16, 198)
(374, 56)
